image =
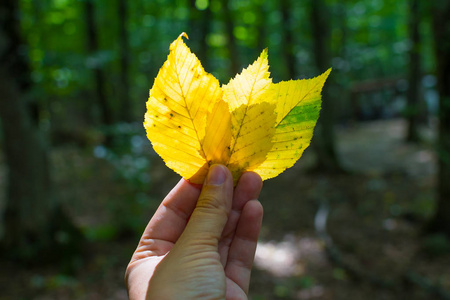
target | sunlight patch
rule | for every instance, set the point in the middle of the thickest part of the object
(290, 256)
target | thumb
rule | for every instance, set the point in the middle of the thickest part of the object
(213, 206)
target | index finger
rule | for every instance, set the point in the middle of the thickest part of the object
(171, 217)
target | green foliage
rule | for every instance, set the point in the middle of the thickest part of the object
(101, 233)
(130, 159)
(436, 244)
(53, 282)
(369, 40)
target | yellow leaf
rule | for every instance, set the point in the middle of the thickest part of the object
(218, 134)
(252, 119)
(250, 124)
(175, 121)
(252, 138)
(250, 86)
(298, 104)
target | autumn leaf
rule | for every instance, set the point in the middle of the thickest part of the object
(249, 124)
(180, 100)
(252, 118)
(298, 103)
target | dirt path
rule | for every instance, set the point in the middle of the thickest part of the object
(375, 217)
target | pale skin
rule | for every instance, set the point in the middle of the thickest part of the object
(201, 241)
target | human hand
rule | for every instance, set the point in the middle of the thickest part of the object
(199, 249)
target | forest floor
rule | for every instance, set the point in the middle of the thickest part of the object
(374, 246)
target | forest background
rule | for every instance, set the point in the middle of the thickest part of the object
(365, 214)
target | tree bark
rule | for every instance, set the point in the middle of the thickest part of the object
(29, 201)
(199, 28)
(99, 75)
(261, 26)
(324, 136)
(413, 93)
(288, 45)
(125, 103)
(441, 26)
(235, 64)
(31, 217)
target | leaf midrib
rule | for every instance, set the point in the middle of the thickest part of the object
(245, 112)
(186, 105)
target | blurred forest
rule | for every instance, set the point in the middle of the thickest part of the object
(364, 214)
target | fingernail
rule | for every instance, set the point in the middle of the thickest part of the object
(216, 175)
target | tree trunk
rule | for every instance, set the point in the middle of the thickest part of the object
(261, 26)
(342, 24)
(441, 24)
(199, 28)
(126, 108)
(29, 201)
(204, 28)
(29, 217)
(99, 75)
(287, 45)
(28, 197)
(324, 137)
(413, 94)
(235, 64)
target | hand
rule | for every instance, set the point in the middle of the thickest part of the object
(199, 249)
